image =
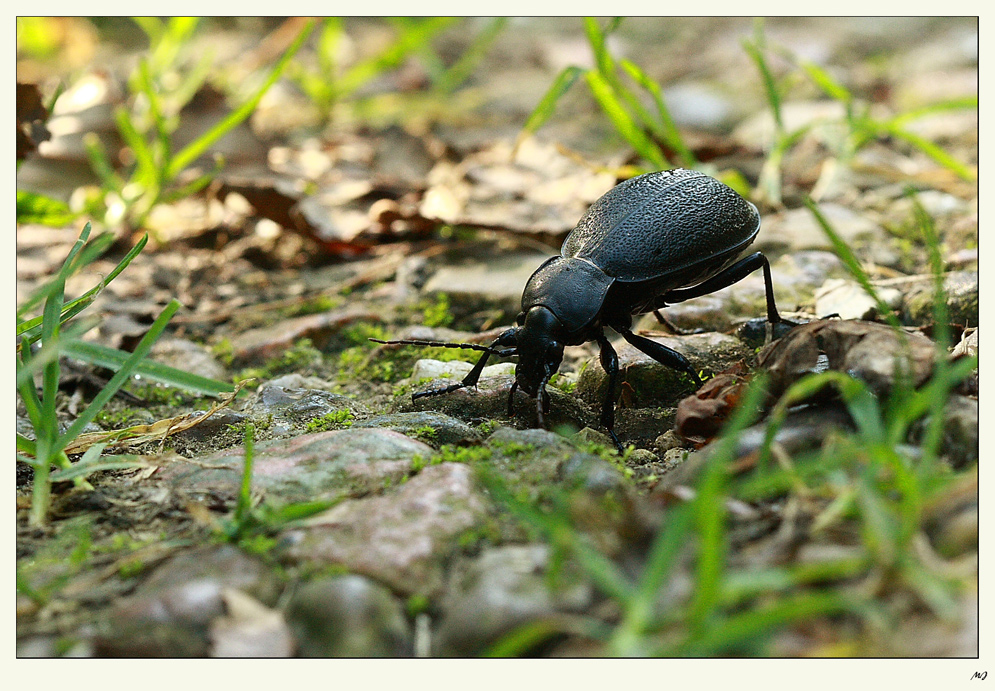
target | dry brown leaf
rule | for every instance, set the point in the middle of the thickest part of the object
(157, 431)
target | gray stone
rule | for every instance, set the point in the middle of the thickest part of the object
(171, 613)
(797, 229)
(444, 429)
(348, 616)
(457, 369)
(489, 400)
(961, 289)
(849, 300)
(402, 539)
(505, 588)
(961, 438)
(325, 465)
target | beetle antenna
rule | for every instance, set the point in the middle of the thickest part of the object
(500, 352)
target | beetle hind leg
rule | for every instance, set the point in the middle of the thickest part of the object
(727, 277)
(609, 361)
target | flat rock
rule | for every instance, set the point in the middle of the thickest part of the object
(402, 539)
(325, 465)
(428, 425)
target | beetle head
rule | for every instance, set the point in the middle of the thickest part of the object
(540, 349)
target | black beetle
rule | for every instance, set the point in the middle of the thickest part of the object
(656, 239)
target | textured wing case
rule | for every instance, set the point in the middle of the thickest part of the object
(662, 223)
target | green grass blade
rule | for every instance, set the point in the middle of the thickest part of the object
(75, 471)
(596, 38)
(152, 26)
(50, 372)
(413, 36)
(101, 164)
(42, 210)
(146, 171)
(195, 149)
(623, 122)
(669, 130)
(114, 359)
(965, 103)
(243, 505)
(161, 130)
(710, 513)
(51, 350)
(547, 104)
(63, 273)
(747, 628)
(851, 262)
(755, 49)
(627, 638)
(74, 307)
(121, 376)
(458, 73)
(826, 83)
(930, 149)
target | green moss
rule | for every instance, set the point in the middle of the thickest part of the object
(425, 433)
(358, 363)
(361, 332)
(332, 420)
(131, 568)
(224, 351)
(564, 385)
(258, 544)
(436, 313)
(315, 305)
(487, 427)
(417, 604)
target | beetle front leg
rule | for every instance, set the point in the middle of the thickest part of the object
(508, 338)
(662, 354)
(609, 361)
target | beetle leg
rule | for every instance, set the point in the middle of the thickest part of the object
(735, 273)
(661, 353)
(511, 398)
(609, 361)
(508, 338)
(542, 400)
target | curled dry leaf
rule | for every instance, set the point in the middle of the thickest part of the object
(31, 117)
(872, 353)
(157, 431)
(701, 415)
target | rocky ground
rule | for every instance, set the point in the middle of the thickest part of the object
(386, 526)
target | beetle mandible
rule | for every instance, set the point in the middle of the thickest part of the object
(651, 241)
